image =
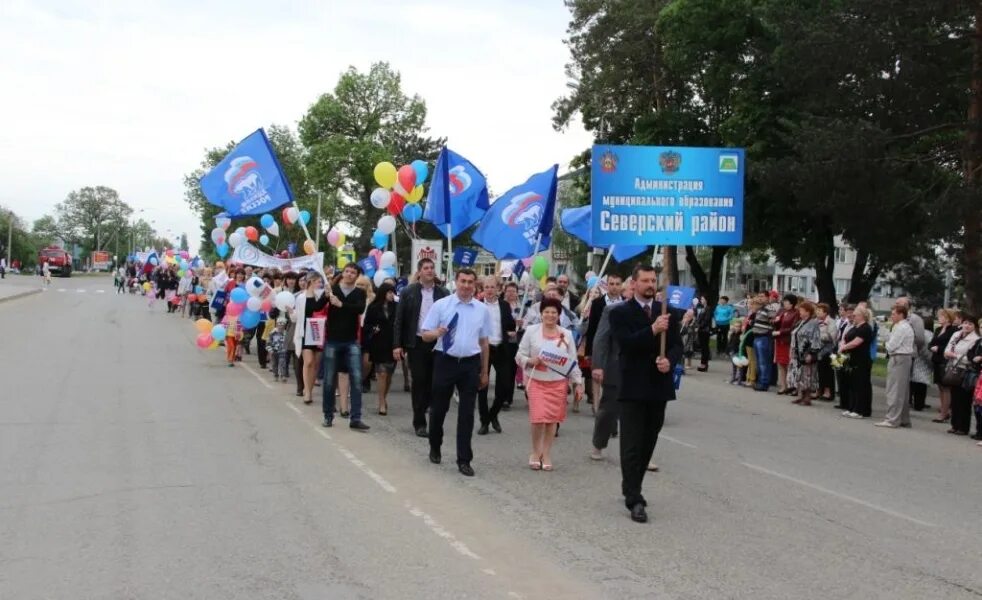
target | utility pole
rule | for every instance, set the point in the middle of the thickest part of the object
(317, 239)
(10, 234)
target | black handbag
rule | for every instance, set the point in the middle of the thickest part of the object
(954, 375)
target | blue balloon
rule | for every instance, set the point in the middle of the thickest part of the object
(380, 240)
(266, 221)
(218, 332)
(221, 250)
(592, 282)
(239, 295)
(199, 290)
(422, 171)
(249, 318)
(412, 213)
(389, 271)
(153, 260)
(305, 217)
(264, 239)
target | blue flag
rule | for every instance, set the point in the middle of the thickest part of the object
(680, 297)
(368, 265)
(578, 223)
(458, 195)
(518, 269)
(448, 337)
(517, 218)
(464, 257)
(249, 181)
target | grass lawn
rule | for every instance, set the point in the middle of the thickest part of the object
(880, 367)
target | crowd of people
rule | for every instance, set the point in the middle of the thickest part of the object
(617, 347)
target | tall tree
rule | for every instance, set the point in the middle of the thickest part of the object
(89, 215)
(972, 219)
(365, 120)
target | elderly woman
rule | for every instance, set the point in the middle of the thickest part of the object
(960, 353)
(829, 336)
(547, 375)
(784, 324)
(923, 372)
(948, 324)
(900, 348)
(806, 341)
(856, 345)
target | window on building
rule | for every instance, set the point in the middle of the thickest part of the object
(842, 255)
(842, 287)
(488, 269)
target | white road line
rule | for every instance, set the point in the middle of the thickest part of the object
(322, 433)
(80, 291)
(489, 572)
(679, 442)
(60, 289)
(385, 485)
(293, 408)
(100, 291)
(836, 494)
(515, 595)
(257, 376)
(440, 531)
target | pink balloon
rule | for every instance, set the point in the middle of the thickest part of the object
(407, 178)
(267, 306)
(377, 255)
(204, 340)
(234, 309)
(527, 262)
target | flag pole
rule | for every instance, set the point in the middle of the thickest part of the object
(603, 267)
(302, 224)
(449, 255)
(538, 238)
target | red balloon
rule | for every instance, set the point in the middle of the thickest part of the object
(234, 309)
(251, 234)
(267, 305)
(396, 204)
(204, 340)
(286, 219)
(407, 177)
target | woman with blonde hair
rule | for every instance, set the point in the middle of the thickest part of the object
(856, 343)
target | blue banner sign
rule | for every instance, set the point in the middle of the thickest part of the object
(663, 195)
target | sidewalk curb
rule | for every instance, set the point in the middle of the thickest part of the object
(20, 295)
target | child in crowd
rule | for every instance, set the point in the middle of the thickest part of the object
(276, 345)
(233, 333)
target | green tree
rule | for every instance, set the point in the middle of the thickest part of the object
(23, 246)
(367, 119)
(183, 244)
(91, 215)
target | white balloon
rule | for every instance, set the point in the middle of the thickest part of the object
(255, 287)
(273, 229)
(240, 231)
(235, 240)
(387, 224)
(254, 304)
(400, 190)
(381, 198)
(379, 278)
(218, 236)
(293, 214)
(285, 300)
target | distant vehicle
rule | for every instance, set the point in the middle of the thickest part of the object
(59, 261)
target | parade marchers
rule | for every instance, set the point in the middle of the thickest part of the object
(452, 340)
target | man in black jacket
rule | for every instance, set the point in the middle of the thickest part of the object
(613, 296)
(568, 298)
(646, 380)
(503, 347)
(414, 302)
(346, 305)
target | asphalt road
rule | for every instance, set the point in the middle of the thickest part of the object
(133, 465)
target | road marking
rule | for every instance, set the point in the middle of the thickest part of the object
(489, 572)
(679, 442)
(80, 291)
(836, 494)
(385, 485)
(294, 408)
(100, 291)
(515, 595)
(257, 376)
(322, 433)
(440, 531)
(60, 289)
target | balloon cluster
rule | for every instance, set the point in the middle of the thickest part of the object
(400, 192)
(246, 303)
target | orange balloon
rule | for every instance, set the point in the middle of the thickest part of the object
(309, 247)
(251, 234)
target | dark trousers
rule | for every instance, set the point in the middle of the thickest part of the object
(861, 390)
(261, 352)
(298, 371)
(641, 421)
(421, 376)
(502, 360)
(918, 395)
(722, 337)
(464, 375)
(845, 390)
(605, 421)
(704, 337)
(335, 354)
(281, 363)
(826, 376)
(961, 409)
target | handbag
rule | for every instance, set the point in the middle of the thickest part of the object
(954, 374)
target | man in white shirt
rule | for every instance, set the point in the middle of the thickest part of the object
(460, 325)
(900, 348)
(502, 357)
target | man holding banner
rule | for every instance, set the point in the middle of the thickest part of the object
(650, 347)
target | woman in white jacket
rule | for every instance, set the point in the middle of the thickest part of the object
(958, 356)
(547, 354)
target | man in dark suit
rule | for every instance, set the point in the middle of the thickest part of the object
(613, 296)
(646, 380)
(503, 346)
(414, 302)
(568, 298)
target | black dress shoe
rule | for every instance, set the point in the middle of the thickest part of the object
(435, 456)
(465, 469)
(421, 432)
(506, 407)
(359, 426)
(496, 425)
(327, 423)
(638, 514)
(483, 430)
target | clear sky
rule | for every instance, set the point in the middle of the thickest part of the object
(128, 94)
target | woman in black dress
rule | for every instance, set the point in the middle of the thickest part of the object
(948, 324)
(378, 330)
(856, 344)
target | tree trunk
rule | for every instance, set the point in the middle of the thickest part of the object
(707, 286)
(861, 281)
(824, 275)
(972, 254)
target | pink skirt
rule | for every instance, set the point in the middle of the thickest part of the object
(547, 401)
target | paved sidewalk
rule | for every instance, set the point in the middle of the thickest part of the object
(10, 290)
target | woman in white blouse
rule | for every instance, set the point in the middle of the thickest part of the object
(547, 353)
